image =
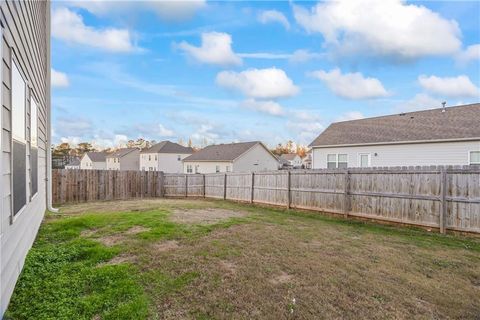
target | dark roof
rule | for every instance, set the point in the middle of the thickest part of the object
(288, 156)
(97, 156)
(460, 122)
(74, 162)
(222, 152)
(168, 147)
(121, 152)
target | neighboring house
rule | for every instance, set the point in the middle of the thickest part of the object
(94, 161)
(292, 159)
(123, 159)
(25, 191)
(165, 156)
(73, 164)
(307, 161)
(233, 157)
(444, 136)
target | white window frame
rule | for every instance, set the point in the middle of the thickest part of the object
(189, 168)
(337, 156)
(360, 159)
(217, 168)
(470, 157)
(227, 168)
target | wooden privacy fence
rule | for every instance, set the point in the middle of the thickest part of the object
(438, 197)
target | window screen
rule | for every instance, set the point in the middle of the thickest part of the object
(19, 151)
(34, 146)
(342, 161)
(475, 157)
(331, 161)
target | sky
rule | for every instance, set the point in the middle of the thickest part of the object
(219, 72)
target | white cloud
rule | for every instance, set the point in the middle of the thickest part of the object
(265, 55)
(301, 55)
(420, 101)
(271, 107)
(351, 115)
(216, 49)
(268, 83)
(167, 10)
(351, 85)
(305, 125)
(269, 16)
(388, 28)
(471, 53)
(69, 26)
(459, 86)
(164, 132)
(59, 79)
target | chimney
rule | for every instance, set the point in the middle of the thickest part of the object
(444, 103)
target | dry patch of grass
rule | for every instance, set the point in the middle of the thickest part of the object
(196, 259)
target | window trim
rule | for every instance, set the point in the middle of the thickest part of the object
(360, 154)
(337, 156)
(470, 158)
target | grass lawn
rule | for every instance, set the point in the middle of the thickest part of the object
(195, 259)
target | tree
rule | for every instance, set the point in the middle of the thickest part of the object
(63, 149)
(84, 147)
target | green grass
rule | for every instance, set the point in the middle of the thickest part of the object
(67, 274)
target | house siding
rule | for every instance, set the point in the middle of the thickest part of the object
(421, 154)
(26, 39)
(255, 159)
(207, 166)
(166, 162)
(87, 164)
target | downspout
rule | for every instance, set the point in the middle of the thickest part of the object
(49, 119)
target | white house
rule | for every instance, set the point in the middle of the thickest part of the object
(123, 159)
(292, 160)
(93, 161)
(307, 161)
(25, 189)
(232, 157)
(443, 136)
(164, 156)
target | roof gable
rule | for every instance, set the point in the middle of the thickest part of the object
(121, 152)
(96, 156)
(222, 152)
(461, 122)
(168, 147)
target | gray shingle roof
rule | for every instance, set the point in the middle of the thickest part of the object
(74, 162)
(97, 156)
(121, 152)
(222, 152)
(458, 122)
(168, 147)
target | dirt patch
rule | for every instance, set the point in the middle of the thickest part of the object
(123, 258)
(111, 240)
(281, 278)
(163, 246)
(136, 230)
(230, 267)
(88, 233)
(205, 216)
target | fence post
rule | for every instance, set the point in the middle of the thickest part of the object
(346, 199)
(161, 181)
(186, 185)
(225, 187)
(289, 178)
(443, 202)
(204, 186)
(251, 187)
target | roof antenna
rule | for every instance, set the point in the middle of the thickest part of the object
(444, 103)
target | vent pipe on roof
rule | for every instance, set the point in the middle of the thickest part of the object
(444, 103)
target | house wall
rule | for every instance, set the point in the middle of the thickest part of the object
(112, 163)
(26, 35)
(166, 162)
(441, 153)
(87, 164)
(256, 159)
(296, 162)
(130, 161)
(207, 166)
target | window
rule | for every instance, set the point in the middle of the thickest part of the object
(196, 169)
(474, 157)
(227, 168)
(217, 168)
(33, 146)
(179, 158)
(364, 160)
(335, 161)
(155, 157)
(149, 157)
(189, 168)
(19, 152)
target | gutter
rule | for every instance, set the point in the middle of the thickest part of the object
(49, 121)
(395, 143)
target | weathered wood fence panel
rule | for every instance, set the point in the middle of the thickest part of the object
(439, 197)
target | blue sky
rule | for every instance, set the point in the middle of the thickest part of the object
(237, 71)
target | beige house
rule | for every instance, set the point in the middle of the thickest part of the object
(292, 160)
(25, 189)
(443, 136)
(93, 161)
(123, 159)
(232, 157)
(165, 156)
